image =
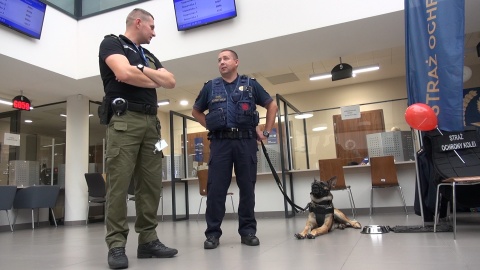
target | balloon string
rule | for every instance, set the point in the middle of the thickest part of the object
(453, 150)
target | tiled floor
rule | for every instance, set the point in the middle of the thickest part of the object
(83, 247)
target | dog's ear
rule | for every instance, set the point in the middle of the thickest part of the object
(332, 182)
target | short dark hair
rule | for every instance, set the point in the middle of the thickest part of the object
(138, 12)
(232, 51)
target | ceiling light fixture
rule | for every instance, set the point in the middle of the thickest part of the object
(320, 127)
(184, 102)
(163, 102)
(6, 102)
(314, 77)
(303, 115)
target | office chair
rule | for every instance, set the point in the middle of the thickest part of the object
(334, 167)
(384, 175)
(36, 197)
(96, 192)
(202, 184)
(7, 196)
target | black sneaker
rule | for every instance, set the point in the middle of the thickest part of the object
(155, 249)
(250, 240)
(117, 258)
(211, 242)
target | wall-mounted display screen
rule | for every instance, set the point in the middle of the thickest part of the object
(195, 13)
(24, 16)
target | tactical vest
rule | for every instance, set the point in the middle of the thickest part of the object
(236, 109)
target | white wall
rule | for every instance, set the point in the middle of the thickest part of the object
(56, 50)
(66, 45)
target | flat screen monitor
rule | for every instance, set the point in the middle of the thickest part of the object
(24, 16)
(195, 13)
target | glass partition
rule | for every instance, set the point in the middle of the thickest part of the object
(187, 139)
(373, 129)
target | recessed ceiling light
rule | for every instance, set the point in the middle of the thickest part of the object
(303, 115)
(28, 121)
(319, 128)
(183, 102)
(163, 102)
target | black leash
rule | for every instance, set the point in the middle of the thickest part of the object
(295, 207)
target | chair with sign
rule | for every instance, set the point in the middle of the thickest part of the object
(384, 175)
(36, 197)
(97, 192)
(131, 194)
(334, 167)
(7, 196)
(202, 183)
(454, 162)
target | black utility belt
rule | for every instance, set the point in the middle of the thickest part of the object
(120, 105)
(232, 133)
(142, 108)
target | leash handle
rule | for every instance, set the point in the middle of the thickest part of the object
(295, 207)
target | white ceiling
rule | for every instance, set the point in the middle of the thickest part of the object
(376, 40)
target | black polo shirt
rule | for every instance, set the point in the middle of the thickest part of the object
(113, 88)
(260, 96)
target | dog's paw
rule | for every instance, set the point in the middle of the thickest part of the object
(310, 236)
(355, 224)
(299, 236)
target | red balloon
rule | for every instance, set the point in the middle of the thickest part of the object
(421, 116)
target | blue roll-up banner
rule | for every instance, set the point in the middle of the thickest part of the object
(434, 42)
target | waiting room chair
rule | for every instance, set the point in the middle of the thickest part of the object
(202, 183)
(7, 196)
(334, 167)
(96, 191)
(384, 175)
(36, 197)
(131, 194)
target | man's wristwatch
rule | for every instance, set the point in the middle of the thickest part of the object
(266, 133)
(140, 67)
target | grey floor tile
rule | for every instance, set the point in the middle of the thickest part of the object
(83, 247)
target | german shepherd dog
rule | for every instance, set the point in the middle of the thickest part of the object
(323, 217)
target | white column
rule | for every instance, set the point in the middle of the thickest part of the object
(76, 160)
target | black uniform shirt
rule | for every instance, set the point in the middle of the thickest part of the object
(113, 88)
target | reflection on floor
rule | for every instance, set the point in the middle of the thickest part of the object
(83, 247)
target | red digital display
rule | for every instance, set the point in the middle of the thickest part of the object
(21, 103)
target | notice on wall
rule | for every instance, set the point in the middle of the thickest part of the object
(11, 139)
(350, 112)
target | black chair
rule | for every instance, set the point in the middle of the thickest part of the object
(455, 170)
(7, 195)
(36, 197)
(97, 191)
